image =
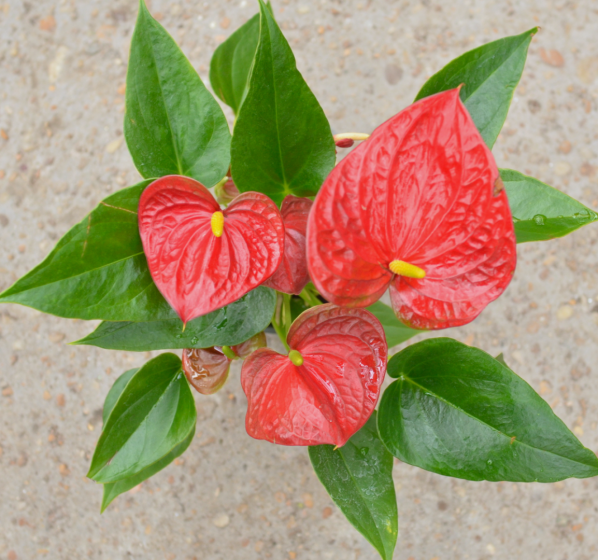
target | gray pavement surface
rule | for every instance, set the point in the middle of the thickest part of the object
(62, 74)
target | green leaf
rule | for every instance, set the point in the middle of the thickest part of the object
(228, 326)
(282, 142)
(457, 411)
(396, 332)
(154, 414)
(115, 392)
(173, 124)
(114, 489)
(231, 63)
(541, 212)
(97, 270)
(489, 75)
(358, 477)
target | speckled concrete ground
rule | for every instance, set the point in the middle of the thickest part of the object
(62, 73)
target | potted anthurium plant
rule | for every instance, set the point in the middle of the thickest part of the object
(290, 239)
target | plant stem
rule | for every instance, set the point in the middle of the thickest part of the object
(278, 319)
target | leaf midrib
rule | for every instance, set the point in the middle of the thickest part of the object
(172, 136)
(73, 276)
(404, 377)
(361, 495)
(285, 184)
(167, 388)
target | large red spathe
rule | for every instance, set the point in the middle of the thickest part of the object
(332, 394)
(423, 189)
(292, 275)
(196, 271)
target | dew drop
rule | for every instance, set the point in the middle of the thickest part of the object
(179, 336)
(489, 462)
(539, 219)
(194, 340)
(364, 451)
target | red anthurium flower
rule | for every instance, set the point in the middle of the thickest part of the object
(292, 275)
(417, 207)
(206, 369)
(328, 385)
(202, 258)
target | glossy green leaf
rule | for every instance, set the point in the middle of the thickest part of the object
(456, 411)
(489, 75)
(173, 124)
(97, 270)
(282, 142)
(114, 489)
(228, 326)
(395, 331)
(541, 212)
(231, 63)
(358, 477)
(154, 414)
(115, 392)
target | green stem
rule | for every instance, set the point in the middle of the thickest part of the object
(278, 319)
(309, 295)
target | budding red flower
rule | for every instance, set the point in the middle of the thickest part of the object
(344, 143)
(206, 369)
(291, 276)
(244, 349)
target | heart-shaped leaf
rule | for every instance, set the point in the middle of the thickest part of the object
(282, 143)
(231, 63)
(489, 75)
(153, 415)
(173, 124)
(328, 385)
(291, 276)
(414, 207)
(455, 410)
(358, 477)
(541, 212)
(97, 270)
(229, 325)
(200, 258)
(114, 489)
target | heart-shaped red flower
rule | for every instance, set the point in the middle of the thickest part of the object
(328, 385)
(417, 207)
(202, 258)
(291, 276)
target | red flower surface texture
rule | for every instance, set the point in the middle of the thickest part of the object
(202, 258)
(292, 275)
(206, 369)
(332, 393)
(418, 194)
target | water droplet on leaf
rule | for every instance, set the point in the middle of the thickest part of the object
(539, 219)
